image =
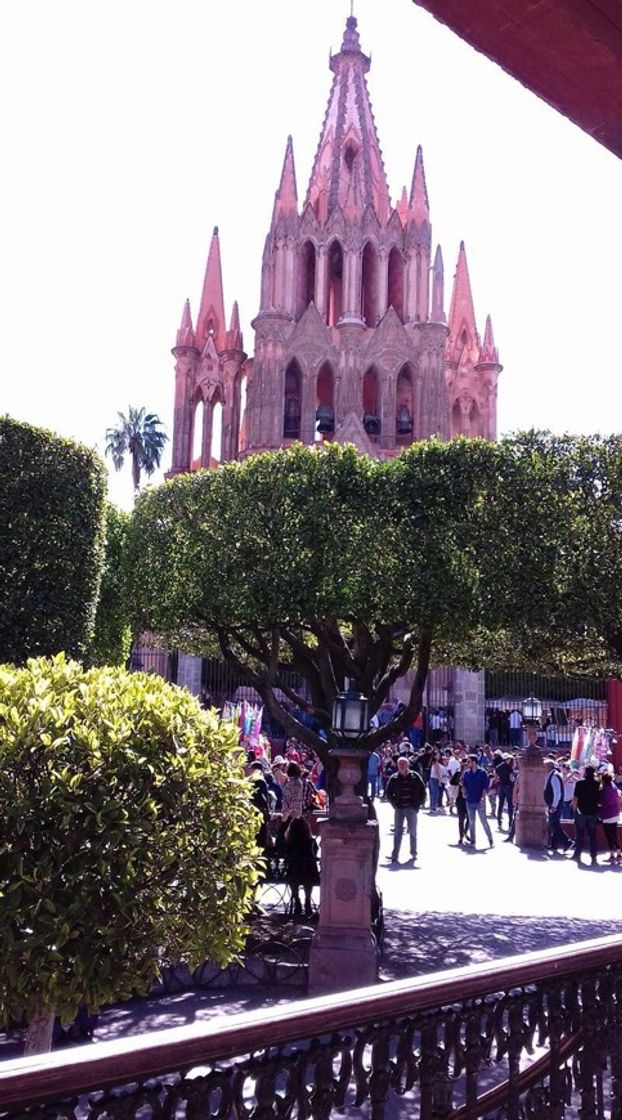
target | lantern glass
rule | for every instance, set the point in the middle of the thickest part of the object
(532, 708)
(350, 714)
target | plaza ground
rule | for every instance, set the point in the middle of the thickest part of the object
(456, 905)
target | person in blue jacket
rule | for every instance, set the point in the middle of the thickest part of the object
(475, 783)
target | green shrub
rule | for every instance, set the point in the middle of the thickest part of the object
(126, 836)
(52, 494)
(112, 635)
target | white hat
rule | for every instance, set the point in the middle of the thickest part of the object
(279, 761)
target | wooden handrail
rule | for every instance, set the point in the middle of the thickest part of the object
(26, 1081)
(529, 1077)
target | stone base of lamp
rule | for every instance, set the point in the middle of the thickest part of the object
(531, 822)
(343, 952)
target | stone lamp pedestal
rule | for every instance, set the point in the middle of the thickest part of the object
(531, 822)
(343, 951)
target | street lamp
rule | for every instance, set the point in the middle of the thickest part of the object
(532, 710)
(350, 713)
(531, 822)
(350, 721)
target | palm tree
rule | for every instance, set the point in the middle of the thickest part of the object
(140, 435)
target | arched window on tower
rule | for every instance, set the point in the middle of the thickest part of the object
(371, 404)
(405, 407)
(335, 283)
(325, 407)
(215, 451)
(196, 459)
(242, 425)
(306, 275)
(396, 281)
(369, 286)
(292, 402)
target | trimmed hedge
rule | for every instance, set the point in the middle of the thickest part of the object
(52, 506)
(112, 634)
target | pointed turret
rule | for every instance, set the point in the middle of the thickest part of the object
(489, 352)
(402, 207)
(419, 205)
(462, 326)
(185, 334)
(349, 138)
(286, 198)
(211, 320)
(438, 288)
(233, 338)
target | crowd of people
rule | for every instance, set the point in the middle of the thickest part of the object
(476, 786)
(485, 783)
(288, 790)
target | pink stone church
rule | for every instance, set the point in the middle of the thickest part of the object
(352, 342)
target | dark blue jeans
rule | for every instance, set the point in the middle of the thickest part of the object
(557, 836)
(505, 798)
(586, 825)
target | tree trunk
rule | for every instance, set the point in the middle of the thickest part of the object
(135, 473)
(39, 1033)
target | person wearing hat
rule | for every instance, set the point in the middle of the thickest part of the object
(554, 801)
(279, 765)
(504, 770)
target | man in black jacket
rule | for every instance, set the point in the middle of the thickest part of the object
(406, 793)
(586, 803)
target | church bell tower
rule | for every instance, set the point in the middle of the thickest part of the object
(351, 339)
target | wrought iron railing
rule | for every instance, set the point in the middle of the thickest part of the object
(532, 1037)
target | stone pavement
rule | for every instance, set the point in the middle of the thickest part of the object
(454, 906)
(459, 905)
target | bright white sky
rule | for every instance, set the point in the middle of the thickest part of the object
(131, 127)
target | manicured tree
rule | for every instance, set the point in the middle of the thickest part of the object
(52, 501)
(338, 566)
(139, 435)
(112, 636)
(126, 838)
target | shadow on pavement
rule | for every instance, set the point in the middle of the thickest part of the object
(414, 944)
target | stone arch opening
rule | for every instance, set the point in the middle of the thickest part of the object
(405, 406)
(371, 404)
(198, 420)
(396, 281)
(215, 450)
(369, 285)
(335, 284)
(292, 402)
(325, 403)
(307, 264)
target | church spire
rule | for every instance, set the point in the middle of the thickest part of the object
(349, 138)
(419, 205)
(489, 352)
(286, 198)
(462, 326)
(233, 338)
(438, 288)
(211, 318)
(185, 334)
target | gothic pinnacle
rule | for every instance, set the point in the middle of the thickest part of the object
(419, 204)
(286, 199)
(211, 319)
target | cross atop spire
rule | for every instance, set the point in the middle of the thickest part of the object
(349, 137)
